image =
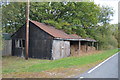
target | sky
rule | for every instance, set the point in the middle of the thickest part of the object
(113, 4)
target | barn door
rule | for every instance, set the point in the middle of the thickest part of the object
(60, 49)
(23, 48)
(20, 44)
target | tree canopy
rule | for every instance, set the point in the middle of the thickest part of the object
(83, 18)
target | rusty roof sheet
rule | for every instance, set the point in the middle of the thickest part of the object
(75, 36)
(51, 30)
(58, 33)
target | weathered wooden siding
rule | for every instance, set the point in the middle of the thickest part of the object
(60, 49)
(7, 44)
(40, 43)
(20, 34)
(17, 51)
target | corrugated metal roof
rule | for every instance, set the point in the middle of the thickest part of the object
(59, 34)
(51, 30)
(75, 36)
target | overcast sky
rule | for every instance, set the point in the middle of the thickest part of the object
(113, 4)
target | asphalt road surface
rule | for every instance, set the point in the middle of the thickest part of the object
(106, 69)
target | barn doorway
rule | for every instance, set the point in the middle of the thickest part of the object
(74, 48)
(20, 43)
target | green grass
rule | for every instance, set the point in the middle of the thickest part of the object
(119, 49)
(13, 64)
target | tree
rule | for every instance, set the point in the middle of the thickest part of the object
(83, 18)
(107, 37)
(105, 14)
(61, 15)
(13, 16)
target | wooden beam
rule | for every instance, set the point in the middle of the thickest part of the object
(86, 46)
(27, 30)
(92, 44)
(97, 46)
(79, 46)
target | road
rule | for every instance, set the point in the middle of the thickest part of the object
(106, 69)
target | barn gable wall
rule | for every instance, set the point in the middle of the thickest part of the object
(20, 34)
(60, 49)
(40, 43)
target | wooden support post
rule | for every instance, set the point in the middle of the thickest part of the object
(86, 46)
(92, 44)
(27, 30)
(79, 46)
(97, 45)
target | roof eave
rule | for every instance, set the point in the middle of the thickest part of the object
(74, 39)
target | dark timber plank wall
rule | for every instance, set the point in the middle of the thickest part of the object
(20, 34)
(40, 43)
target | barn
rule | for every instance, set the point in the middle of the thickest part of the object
(47, 42)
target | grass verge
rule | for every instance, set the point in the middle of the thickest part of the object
(19, 65)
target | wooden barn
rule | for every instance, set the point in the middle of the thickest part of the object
(46, 42)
